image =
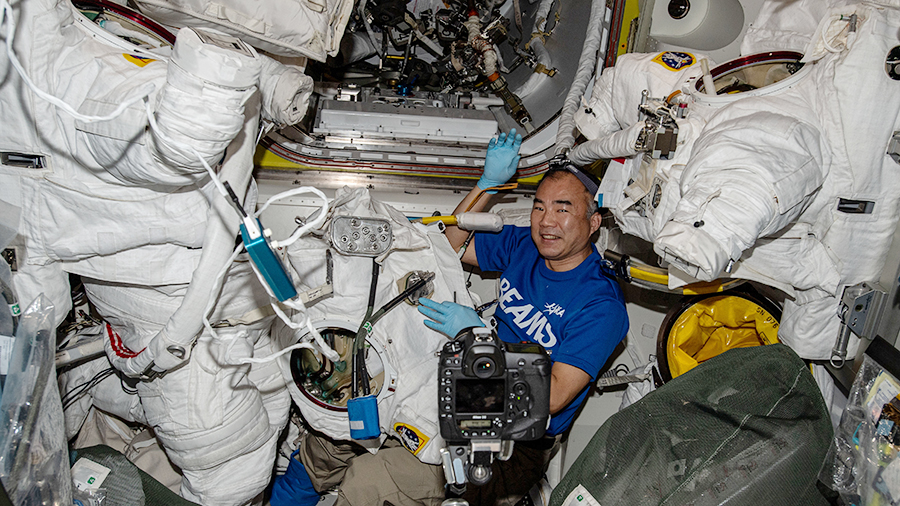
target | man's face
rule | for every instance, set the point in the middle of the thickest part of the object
(560, 226)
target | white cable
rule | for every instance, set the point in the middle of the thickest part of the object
(300, 232)
(829, 47)
(10, 37)
(273, 356)
(825, 37)
(326, 350)
(323, 347)
(298, 305)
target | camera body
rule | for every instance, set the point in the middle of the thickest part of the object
(492, 390)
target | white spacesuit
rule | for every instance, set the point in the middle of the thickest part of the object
(132, 210)
(406, 349)
(758, 184)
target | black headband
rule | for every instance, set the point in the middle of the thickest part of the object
(590, 184)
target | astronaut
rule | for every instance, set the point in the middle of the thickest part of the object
(122, 196)
(762, 182)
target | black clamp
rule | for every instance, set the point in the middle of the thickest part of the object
(618, 264)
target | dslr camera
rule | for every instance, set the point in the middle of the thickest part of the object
(489, 392)
(489, 389)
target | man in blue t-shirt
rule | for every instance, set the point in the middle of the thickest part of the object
(553, 291)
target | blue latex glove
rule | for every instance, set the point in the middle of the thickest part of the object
(501, 161)
(449, 318)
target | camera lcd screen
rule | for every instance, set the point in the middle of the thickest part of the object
(480, 395)
(475, 424)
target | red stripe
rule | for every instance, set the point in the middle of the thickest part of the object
(116, 342)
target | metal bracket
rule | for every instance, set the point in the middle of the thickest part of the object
(541, 68)
(893, 148)
(859, 311)
(659, 137)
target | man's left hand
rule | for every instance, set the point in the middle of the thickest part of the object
(501, 161)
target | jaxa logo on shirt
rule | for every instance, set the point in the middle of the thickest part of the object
(674, 60)
(528, 318)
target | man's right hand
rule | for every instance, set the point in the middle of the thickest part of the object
(449, 318)
(501, 161)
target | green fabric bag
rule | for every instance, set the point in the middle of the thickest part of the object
(748, 427)
(127, 485)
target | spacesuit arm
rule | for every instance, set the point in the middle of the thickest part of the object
(198, 111)
(201, 107)
(617, 144)
(600, 124)
(748, 177)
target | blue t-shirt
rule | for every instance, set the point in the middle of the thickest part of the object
(578, 316)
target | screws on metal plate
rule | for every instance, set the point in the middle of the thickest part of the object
(368, 236)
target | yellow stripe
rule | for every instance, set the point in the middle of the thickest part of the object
(137, 60)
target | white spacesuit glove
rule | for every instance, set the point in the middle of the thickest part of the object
(285, 91)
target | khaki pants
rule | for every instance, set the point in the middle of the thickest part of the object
(395, 476)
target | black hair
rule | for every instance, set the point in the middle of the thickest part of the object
(589, 181)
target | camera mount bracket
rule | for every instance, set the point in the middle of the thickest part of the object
(471, 462)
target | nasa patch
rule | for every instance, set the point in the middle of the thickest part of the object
(674, 60)
(412, 439)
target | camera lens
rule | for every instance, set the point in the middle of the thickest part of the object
(483, 367)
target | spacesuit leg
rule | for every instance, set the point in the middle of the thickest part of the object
(218, 422)
(233, 478)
